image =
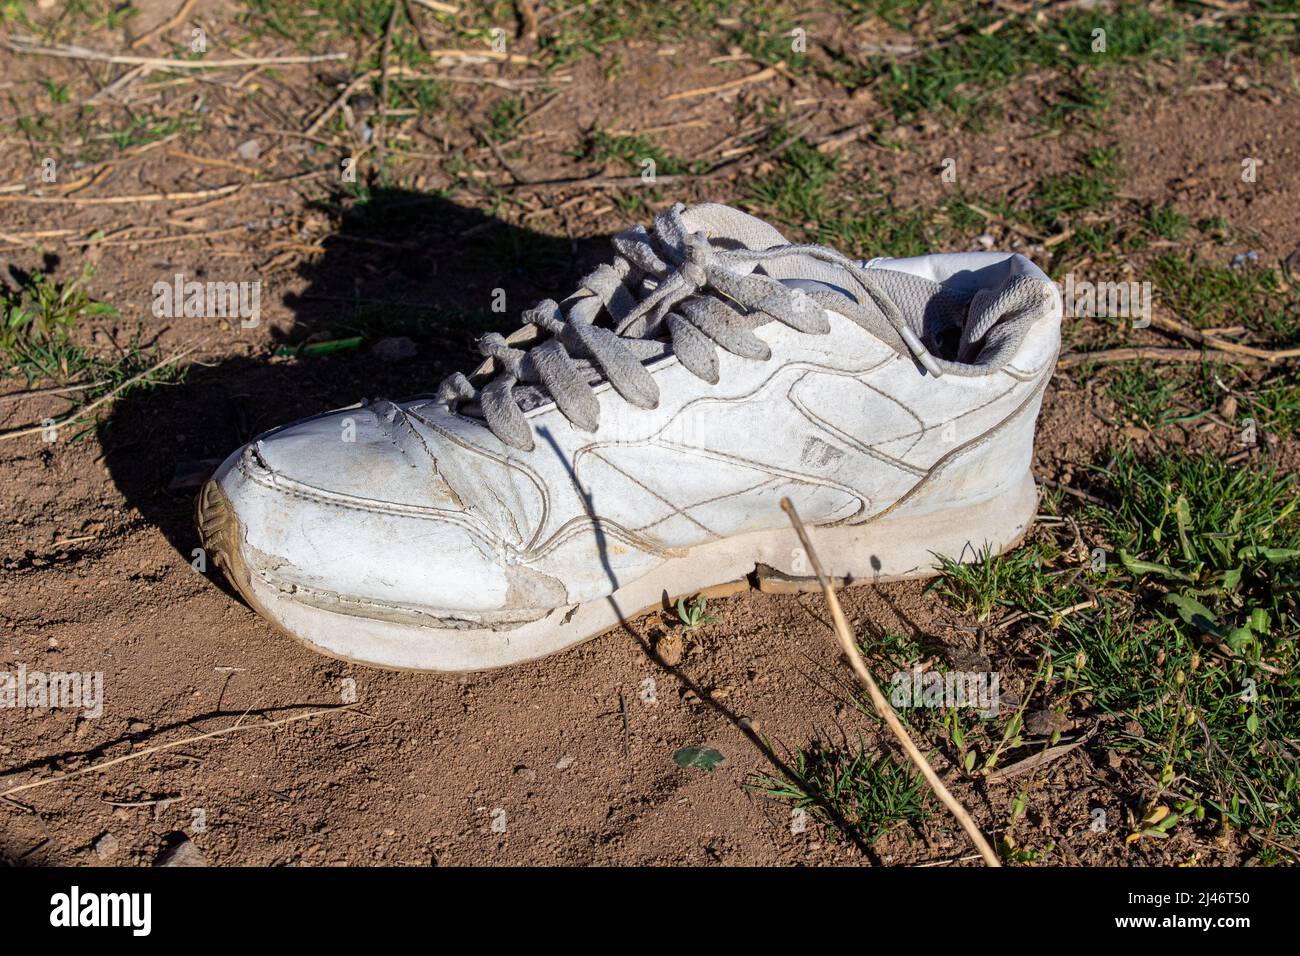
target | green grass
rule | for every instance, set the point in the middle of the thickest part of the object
(1076, 105)
(759, 27)
(963, 76)
(1191, 648)
(1166, 222)
(148, 129)
(329, 18)
(426, 96)
(1199, 517)
(798, 191)
(1147, 396)
(504, 117)
(861, 792)
(810, 190)
(36, 320)
(58, 93)
(1155, 397)
(96, 14)
(978, 584)
(630, 152)
(36, 344)
(1091, 188)
(1274, 403)
(1212, 296)
(813, 191)
(1207, 555)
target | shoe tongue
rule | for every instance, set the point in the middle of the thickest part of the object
(731, 228)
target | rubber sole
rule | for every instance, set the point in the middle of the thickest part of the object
(897, 546)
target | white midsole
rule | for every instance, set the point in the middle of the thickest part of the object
(893, 547)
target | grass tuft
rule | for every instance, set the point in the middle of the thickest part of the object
(854, 790)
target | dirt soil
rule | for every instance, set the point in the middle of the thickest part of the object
(564, 761)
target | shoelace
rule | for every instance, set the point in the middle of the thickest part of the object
(681, 278)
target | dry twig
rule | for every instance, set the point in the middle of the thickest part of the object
(148, 751)
(86, 409)
(760, 77)
(18, 45)
(1148, 353)
(850, 648)
(382, 125)
(163, 27)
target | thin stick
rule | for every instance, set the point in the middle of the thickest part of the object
(52, 390)
(162, 197)
(338, 101)
(759, 77)
(1007, 223)
(81, 53)
(522, 83)
(527, 20)
(845, 635)
(383, 83)
(1042, 758)
(1081, 495)
(125, 80)
(1155, 354)
(500, 156)
(85, 409)
(471, 55)
(212, 161)
(203, 236)
(24, 238)
(1204, 338)
(175, 20)
(136, 755)
(415, 25)
(406, 73)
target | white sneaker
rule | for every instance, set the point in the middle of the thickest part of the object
(633, 443)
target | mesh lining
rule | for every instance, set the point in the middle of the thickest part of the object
(968, 334)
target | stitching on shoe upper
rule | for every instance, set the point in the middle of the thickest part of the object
(980, 439)
(293, 488)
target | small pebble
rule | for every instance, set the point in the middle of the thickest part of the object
(106, 847)
(183, 853)
(397, 348)
(670, 649)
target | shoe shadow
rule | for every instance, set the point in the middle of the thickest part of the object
(399, 265)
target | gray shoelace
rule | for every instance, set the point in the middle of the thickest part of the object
(684, 284)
